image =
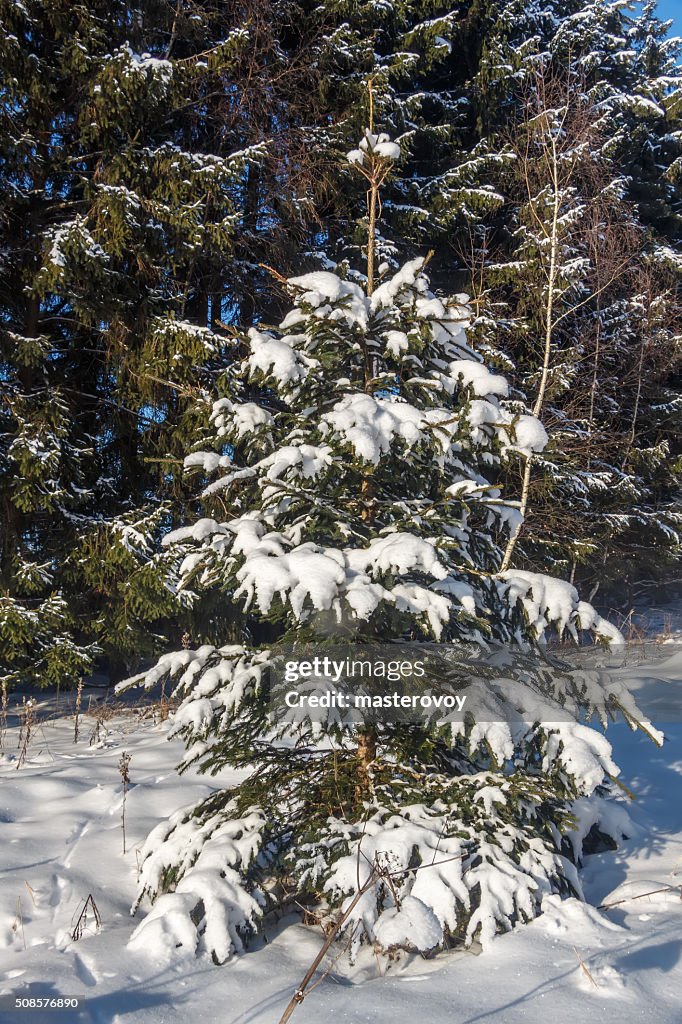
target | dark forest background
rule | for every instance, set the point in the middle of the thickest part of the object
(164, 164)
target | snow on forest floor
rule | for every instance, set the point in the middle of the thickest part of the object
(60, 826)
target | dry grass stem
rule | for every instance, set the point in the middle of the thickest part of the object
(123, 766)
(18, 922)
(77, 714)
(3, 712)
(27, 718)
(89, 909)
(582, 964)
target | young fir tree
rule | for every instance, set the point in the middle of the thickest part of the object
(128, 164)
(350, 495)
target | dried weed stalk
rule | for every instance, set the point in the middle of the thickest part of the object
(123, 766)
(88, 909)
(77, 715)
(27, 718)
(3, 712)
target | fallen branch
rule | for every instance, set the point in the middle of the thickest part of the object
(376, 873)
(300, 993)
(628, 899)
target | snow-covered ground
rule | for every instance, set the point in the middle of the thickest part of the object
(61, 841)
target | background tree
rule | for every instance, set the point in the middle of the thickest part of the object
(141, 148)
(574, 280)
(451, 80)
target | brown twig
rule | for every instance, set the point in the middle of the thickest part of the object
(584, 967)
(628, 899)
(300, 993)
(375, 874)
(274, 273)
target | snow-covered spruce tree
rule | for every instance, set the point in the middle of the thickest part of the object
(350, 492)
(105, 218)
(132, 146)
